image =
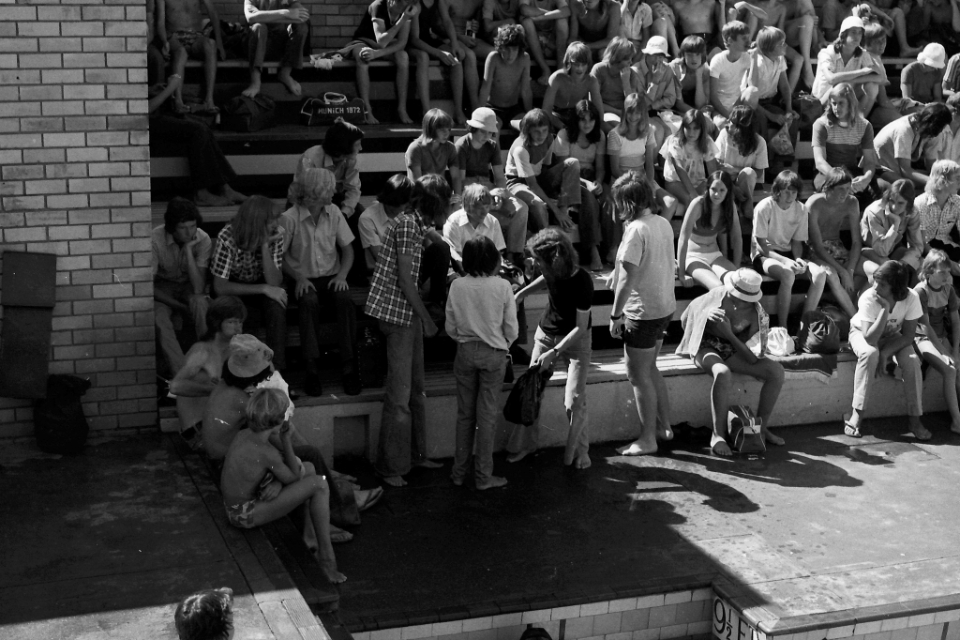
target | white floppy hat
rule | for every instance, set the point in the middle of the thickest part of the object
(851, 22)
(484, 118)
(745, 284)
(933, 55)
(657, 45)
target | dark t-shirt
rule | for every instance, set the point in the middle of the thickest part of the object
(477, 162)
(564, 299)
(377, 10)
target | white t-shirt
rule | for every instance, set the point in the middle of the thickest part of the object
(728, 76)
(767, 75)
(869, 308)
(457, 230)
(779, 227)
(729, 154)
(632, 153)
(686, 157)
(373, 225)
(648, 243)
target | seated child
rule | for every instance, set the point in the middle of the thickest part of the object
(617, 79)
(278, 30)
(251, 456)
(743, 154)
(689, 155)
(180, 27)
(710, 244)
(692, 74)
(433, 152)
(727, 70)
(506, 76)
(891, 229)
(482, 317)
(498, 13)
(938, 299)
(766, 77)
(377, 220)
(922, 80)
(780, 228)
(636, 17)
(547, 25)
(471, 221)
(205, 615)
(659, 83)
(571, 84)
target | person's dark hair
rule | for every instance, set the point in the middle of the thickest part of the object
(433, 121)
(727, 207)
(572, 125)
(895, 274)
(233, 380)
(511, 35)
(220, 310)
(741, 130)
(532, 119)
(205, 615)
(340, 138)
(180, 210)
(931, 120)
(555, 251)
(734, 29)
(903, 188)
(693, 44)
(838, 43)
(871, 33)
(431, 198)
(836, 177)
(786, 180)
(397, 191)
(632, 196)
(480, 257)
(693, 117)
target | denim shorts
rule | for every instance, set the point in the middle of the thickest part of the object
(644, 334)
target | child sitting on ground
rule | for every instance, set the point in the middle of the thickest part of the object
(482, 318)
(779, 231)
(251, 456)
(506, 75)
(689, 155)
(433, 152)
(571, 84)
(205, 615)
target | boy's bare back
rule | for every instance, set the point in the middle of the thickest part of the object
(248, 460)
(183, 15)
(507, 80)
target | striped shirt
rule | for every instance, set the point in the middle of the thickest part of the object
(232, 263)
(843, 145)
(386, 300)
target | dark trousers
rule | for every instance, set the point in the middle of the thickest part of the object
(272, 316)
(434, 265)
(310, 306)
(209, 168)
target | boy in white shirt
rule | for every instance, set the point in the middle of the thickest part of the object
(727, 70)
(766, 77)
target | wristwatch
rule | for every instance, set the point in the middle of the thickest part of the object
(615, 318)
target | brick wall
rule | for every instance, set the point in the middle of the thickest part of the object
(75, 181)
(332, 21)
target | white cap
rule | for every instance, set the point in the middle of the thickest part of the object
(933, 55)
(852, 22)
(657, 45)
(484, 118)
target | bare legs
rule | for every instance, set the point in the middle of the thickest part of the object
(650, 394)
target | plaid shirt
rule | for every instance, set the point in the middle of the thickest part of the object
(386, 300)
(232, 263)
(937, 223)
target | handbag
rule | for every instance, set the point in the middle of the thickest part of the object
(779, 342)
(744, 429)
(523, 403)
(325, 110)
(808, 107)
(246, 115)
(781, 143)
(818, 333)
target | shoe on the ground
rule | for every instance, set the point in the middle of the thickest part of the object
(495, 482)
(366, 498)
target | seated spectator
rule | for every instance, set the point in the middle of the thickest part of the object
(616, 78)
(506, 76)
(766, 77)
(535, 178)
(498, 13)
(247, 263)
(886, 109)
(482, 317)
(702, 18)
(432, 35)
(905, 141)
(710, 243)
(727, 71)
(939, 208)
(480, 158)
(882, 334)
(571, 84)
(252, 456)
(635, 20)
(717, 329)
(314, 229)
(433, 152)
(797, 20)
(383, 32)
(692, 74)
(780, 229)
(892, 19)
(948, 146)
(181, 255)
(842, 137)
(210, 171)
(688, 156)
(546, 23)
(828, 212)
(377, 220)
(922, 80)
(594, 22)
(278, 29)
(203, 364)
(951, 76)
(466, 16)
(742, 154)
(180, 26)
(937, 299)
(845, 62)
(658, 82)
(891, 229)
(205, 615)
(940, 22)
(472, 221)
(404, 320)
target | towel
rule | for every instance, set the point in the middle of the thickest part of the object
(694, 321)
(817, 366)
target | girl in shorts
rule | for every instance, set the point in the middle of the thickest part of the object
(710, 226)
(743, 154)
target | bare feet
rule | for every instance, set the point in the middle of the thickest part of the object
(235, 196)
(209, 107)
(917, 429)
(638, 449)
(368, 118)
(292, 85)
(582, 461)
(773, 439)
(495, 482)
(206, 199)
(330, 572)
(252, 90)
(394, 481)
(457, 482)
(518, 456)
(719, 446)
(404, 118)
(427, 463)
(596, 264)
(664, 432)
(339, 536)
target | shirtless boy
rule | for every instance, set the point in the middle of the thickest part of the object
(506, 75)
(278, 28)
(465, 15)
(251, 457)
(179, 24)
(828, 211)
(547, 26)
(704, 18)
(569, 85)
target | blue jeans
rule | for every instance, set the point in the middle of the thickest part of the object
(478, 369)
(403, 423)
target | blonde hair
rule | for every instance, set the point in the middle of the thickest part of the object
(619, 49)
(634, 102)
(251, 222)
(476, 194)
(311, 184)
(266, 409)
(941, 172)
(844, 90)
(769, 39)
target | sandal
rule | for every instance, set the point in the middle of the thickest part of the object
(339, 536)
(716, 440)
(366, 499)
(849, 429)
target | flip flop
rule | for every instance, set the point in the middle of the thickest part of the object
(852, 430)
(370, 498)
